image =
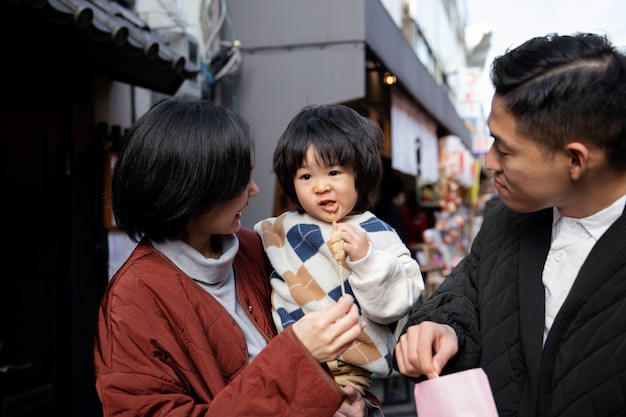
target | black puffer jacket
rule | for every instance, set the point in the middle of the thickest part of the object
(494, 299)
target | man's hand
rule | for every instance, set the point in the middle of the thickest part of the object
(425, 349)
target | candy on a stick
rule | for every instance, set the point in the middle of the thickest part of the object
(336, 245)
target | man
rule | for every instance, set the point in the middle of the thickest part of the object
(540, 301)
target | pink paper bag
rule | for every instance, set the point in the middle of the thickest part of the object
(462, 394)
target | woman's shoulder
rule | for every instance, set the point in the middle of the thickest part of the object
(146, 272)
(143, 258)
(250, 245)
(247, 234)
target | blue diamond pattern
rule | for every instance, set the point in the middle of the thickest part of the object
(305, 239)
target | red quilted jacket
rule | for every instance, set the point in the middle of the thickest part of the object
(164, 346)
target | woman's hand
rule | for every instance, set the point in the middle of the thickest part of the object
(329, 332)
(425, 349)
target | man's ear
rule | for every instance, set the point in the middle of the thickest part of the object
(578, 154)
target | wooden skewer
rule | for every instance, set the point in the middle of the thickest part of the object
(337, 258)
(343, 288)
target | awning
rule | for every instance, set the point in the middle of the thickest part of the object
(388, 43)
(113, 39)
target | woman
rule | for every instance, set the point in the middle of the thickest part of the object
(185, 327)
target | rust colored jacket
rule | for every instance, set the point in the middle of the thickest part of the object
(165, 346)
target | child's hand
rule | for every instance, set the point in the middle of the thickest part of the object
(356, 243)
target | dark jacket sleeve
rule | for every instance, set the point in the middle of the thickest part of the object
(454, 303)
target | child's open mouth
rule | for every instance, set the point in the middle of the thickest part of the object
(329, 206)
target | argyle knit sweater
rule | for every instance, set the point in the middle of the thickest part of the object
(385, 283)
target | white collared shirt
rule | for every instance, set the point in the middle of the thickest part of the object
(572, 240)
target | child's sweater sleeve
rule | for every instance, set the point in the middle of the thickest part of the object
(386, 282)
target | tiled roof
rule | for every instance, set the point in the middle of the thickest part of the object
(107, 22)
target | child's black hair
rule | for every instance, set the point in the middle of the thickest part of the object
(340, 136)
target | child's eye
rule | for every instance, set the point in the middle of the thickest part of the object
(305, 176)
(333, 173)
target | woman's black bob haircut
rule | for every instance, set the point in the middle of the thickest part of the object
(184, 157)
(340, 136)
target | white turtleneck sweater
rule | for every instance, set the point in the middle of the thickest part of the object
(216, 276)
